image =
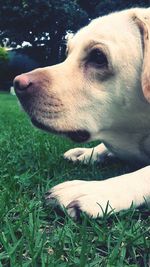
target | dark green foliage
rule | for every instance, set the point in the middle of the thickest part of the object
(40, 22)
(107, 6)
(12, 64)
(101, 7)
(46, 22)
(21, 62)
(3, 55)
(4, 59)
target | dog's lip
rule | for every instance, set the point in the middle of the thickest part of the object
(40, 125)
(77, 135)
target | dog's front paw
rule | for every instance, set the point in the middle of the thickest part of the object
(88, 155)
(97, 197)
(84, 155)
(79, 196)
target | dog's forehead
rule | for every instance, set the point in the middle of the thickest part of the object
(104, 29)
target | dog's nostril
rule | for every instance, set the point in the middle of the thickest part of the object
(21, 83)
(16, 84)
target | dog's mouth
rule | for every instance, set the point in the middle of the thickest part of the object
(41, 125)
(77, 135)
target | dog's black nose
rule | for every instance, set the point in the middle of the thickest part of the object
(21, 83)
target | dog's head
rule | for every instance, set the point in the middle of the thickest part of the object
(96, 87)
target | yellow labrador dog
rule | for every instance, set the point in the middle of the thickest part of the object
(101, 91)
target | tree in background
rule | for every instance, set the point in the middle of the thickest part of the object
(43, 25)
(4, 59)
(97, 8)
(40, 22)
(108, 6)
(45, 22)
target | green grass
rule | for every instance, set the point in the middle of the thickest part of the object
(32, 234)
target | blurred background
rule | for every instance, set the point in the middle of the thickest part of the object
(33, 33)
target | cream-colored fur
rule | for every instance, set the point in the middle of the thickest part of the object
(111, 103)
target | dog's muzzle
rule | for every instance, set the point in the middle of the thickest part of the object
(25, 90)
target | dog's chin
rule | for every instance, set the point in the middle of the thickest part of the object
(78, 136)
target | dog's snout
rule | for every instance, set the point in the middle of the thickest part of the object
(21, 83)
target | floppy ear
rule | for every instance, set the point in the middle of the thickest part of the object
(144, 26)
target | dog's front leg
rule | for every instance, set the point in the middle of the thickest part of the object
(88, 155)
(93, 197)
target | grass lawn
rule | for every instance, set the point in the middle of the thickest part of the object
(33, 234)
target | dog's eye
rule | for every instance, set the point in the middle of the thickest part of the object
(98, 58)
